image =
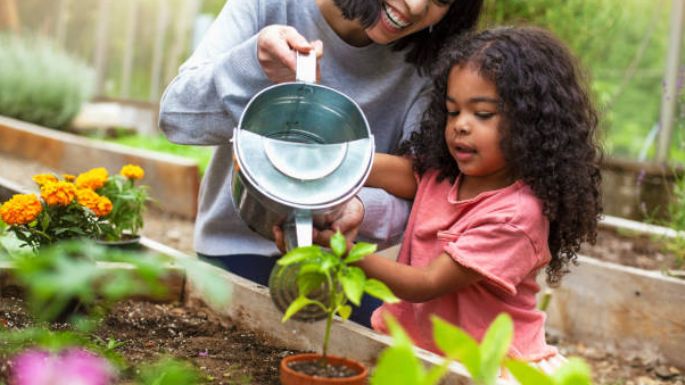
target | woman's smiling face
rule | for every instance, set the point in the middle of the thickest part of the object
(400, 18)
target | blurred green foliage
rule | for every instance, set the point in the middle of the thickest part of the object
(159, 143)
(40, 83)
(622, 44)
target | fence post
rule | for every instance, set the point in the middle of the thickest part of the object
(670, 92)
(8, 15)
(101, 40)
(158, 53)
(129, 49)
(62, 21)
(183, 23)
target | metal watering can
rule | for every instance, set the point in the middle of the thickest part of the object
(300, 152)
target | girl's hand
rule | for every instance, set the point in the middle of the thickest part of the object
(276, 46)
(347, 221)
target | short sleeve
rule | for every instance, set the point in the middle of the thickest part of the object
(501, 252)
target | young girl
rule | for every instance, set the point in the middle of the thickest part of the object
(505, 181)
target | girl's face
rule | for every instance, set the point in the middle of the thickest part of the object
(472, 128)
(400, 18)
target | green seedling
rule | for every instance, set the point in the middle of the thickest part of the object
(334, 271)
(398, 364)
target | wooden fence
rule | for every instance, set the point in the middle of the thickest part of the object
(135, 46)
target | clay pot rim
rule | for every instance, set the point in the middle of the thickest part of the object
(315, 356)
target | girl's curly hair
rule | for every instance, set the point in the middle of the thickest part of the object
(548, 130)
(422, 46)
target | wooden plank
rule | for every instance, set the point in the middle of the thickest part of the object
(101, 43)
(251, 308)
(129, 47)
(158, 51)
(625, 306)
(173, 181)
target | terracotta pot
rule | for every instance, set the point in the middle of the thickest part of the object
(289, 376)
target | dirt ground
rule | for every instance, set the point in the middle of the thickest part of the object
(610, 366)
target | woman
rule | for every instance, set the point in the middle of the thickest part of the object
(377, 53)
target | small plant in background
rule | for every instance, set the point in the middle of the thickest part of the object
(333, 271)
(398, 364)
(40, 83)
(92, 205)
(676, 221)
(62, 212)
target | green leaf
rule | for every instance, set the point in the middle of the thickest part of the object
(574, 372)
(495, 346)
(295, 306)
(399, 336)
(338, 244)
(359, 251)
(299, 254)
(378, 289)
(526, 374)
(306, 282)
(352, 280)
(457, 344)
(398, 365)
(345, 311)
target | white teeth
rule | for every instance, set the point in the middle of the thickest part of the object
(396, 19)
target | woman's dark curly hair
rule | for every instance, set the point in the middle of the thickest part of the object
(548, 130)
(422, 46)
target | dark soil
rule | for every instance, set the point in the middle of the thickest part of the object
(322, 369)
(629, 249)
(144, 331)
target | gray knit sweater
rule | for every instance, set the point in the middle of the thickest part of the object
(204, 102)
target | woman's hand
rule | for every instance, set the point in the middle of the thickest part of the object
(276, 46)
(347, 221)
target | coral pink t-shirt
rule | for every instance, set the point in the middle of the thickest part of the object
(502, 235)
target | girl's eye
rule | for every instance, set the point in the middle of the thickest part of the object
(485, 115)
(452, 113)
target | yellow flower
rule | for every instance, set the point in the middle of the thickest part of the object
(42, 179)
(92, 179)
(58, 193)
(131, 171)
(98, 204)
(69, 177)
(21, 209)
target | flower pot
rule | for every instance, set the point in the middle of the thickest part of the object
(127, 242)
(290, 376)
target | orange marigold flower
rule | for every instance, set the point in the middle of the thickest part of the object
(104, 207)
(92, 179)
(98, 204)
(69, 177)
(131, 171)
(42, 179)
(21, 209)
(58, 193)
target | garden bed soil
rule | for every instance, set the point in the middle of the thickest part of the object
(226, 354)
(145, 331)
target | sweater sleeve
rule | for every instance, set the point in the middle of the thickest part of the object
(204, 101)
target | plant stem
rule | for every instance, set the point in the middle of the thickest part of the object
(327, 335)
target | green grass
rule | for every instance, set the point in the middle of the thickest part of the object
(159, 143)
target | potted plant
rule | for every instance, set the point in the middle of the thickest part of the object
(94, 205)
(61, 211)
(342, 282)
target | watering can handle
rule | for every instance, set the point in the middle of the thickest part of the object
(306, 67)
(298, 230)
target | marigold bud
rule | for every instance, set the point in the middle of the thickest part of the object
(131, 171)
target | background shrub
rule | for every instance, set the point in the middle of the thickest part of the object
(41, 84)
